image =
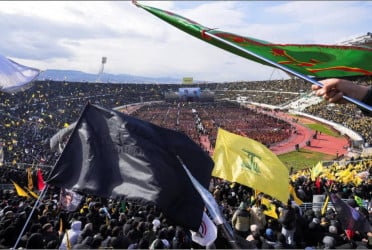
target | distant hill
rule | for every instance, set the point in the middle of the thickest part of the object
(78, 76)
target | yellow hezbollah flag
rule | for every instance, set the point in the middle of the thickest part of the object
(20, 191)
(270, 208)
(317, 170)
(250, 163)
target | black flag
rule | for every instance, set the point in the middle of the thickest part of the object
(349, 217)
(111, 154)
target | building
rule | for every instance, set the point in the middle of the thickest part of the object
(364, 40)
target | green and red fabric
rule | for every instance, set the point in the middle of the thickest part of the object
(315, 60)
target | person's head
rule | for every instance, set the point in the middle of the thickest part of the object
(324, 222)
(47, 227)
(243, 205)
(76, 225)
(96, 242)
(103, 230)
(143, 243)
(117, 231)
(163, 234)
(269, 233)
(316, 220)
(35, 228)
(141, 226)
(9, 214)
(156, 224)
(88, 226)
(329, 242)
(115, 242)
(333, 229)
(53, 244)
(35, 241)
(158, 244)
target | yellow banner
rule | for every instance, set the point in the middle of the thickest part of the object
(187, 80)
(20, 191)
(250, 163)
(317, 170)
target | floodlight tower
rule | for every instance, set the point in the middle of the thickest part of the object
(103, 61)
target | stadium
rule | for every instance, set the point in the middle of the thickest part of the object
(54, 129)
(258, 110)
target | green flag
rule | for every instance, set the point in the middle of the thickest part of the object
(123, 206)
(316, 60)
(358, 200)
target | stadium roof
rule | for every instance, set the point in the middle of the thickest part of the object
(364, 40)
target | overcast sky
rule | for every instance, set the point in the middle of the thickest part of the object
(75, 35)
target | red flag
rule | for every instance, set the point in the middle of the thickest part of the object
(317, 184)
(40, 180)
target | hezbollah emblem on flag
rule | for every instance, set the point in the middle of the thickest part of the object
(251, 163)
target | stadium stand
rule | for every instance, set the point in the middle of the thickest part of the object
(31, 117)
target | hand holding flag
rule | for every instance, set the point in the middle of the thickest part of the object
(301, 60)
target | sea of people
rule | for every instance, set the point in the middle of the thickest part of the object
(208, 117)
(31, 117)
(112, 223)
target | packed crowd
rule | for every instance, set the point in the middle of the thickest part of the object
(119, 224)
(31, 117)
(208, 117)
(346, 115)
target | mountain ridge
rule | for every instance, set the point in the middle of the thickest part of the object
(79, 76)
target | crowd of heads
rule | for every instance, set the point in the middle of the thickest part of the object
(99, 222)
(31, 117)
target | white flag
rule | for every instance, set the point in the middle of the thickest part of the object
(207, 232)
(15, 77)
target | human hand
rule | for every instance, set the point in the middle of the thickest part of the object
(334, 89)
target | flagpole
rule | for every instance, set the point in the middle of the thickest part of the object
(213, 208)
(74, 128)
(29, 217)
(304, 77)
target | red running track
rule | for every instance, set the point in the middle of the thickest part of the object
(323, 143)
